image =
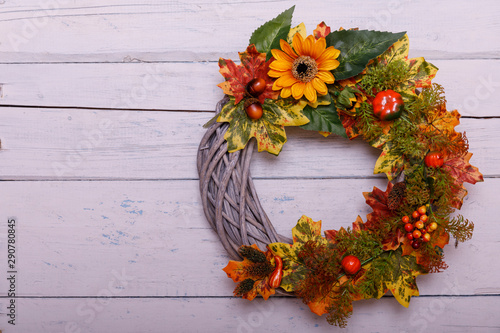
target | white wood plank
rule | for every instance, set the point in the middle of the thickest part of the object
(111, 30)
(471, 85)
(103, 144)
(430, 314)
(74, 237)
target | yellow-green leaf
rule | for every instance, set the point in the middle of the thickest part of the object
(301, 29)
(294, 272)
(389, 162)
(268, 130)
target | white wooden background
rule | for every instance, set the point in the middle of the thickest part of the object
(102, 104)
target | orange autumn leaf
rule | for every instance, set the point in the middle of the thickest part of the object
(252, 274)
(322, 30)
(462, 171)
(253, 65)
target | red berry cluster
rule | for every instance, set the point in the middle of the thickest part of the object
(419, 231)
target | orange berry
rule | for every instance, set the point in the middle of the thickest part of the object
(433, 226)
(419, 224)
(426, 237)
(424, 218)
(415, 215)
(416, 234)
(405, 219)
(422, 210)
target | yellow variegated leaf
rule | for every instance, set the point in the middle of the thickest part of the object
(293, 273)
(268, 130)
(398, 51)
(389, 162)
(301, 29)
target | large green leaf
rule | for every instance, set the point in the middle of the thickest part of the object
(324, 118)
(267, 36)
(358, 47)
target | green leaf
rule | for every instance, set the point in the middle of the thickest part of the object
(267, 36)
(404, 271)
(358, 47)
(294, 271)
(268, 130)
(324, 118)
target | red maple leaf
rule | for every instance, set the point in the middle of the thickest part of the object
(462, 171)
(322, 30)
(253, 65)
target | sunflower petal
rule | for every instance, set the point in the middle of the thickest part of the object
(281, 65)
(275, 73)
(297, 44)
(328, 65)
(319, 48)
(308, 46)
(286, 80)
(288, 49)
(326, 77)
(330, 53)
(286, 92)
(276, 87)
(280, 55)
(298, 90)
(320, 86)
(310, 93)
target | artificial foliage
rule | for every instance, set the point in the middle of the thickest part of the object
(343, 82)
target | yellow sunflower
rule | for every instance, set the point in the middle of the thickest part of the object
(303, 69)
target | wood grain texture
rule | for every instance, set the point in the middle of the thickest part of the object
(472, 86)
(103, 144)
(74, 235)
(186, 315)
(116, 31)
(102, 104)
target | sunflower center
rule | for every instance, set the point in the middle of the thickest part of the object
(304, 68)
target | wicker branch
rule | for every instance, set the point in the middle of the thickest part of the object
(229, 197)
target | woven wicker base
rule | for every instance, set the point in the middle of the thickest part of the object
(229, 198)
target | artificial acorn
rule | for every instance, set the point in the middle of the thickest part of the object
(256, 86)
(388, 105)
(253, 108)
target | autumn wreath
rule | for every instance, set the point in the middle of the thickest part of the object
(352, 83)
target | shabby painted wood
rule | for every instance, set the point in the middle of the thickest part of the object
(118, 242)
(103, 144)
(471, 85)
(73, 236)
(185, 315)
(116, 31)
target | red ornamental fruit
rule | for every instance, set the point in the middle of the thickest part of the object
(415, 215)
(351, 264)
(424, 218)
(405, 219)
(417, 233)
(422, 210)
(388, 105)
(409, 227)
(434, 160)
(277, 275)
(426, 237)
(415, 244)
(419, 224)
(254, 111)
(256, 86)
(409, 236)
